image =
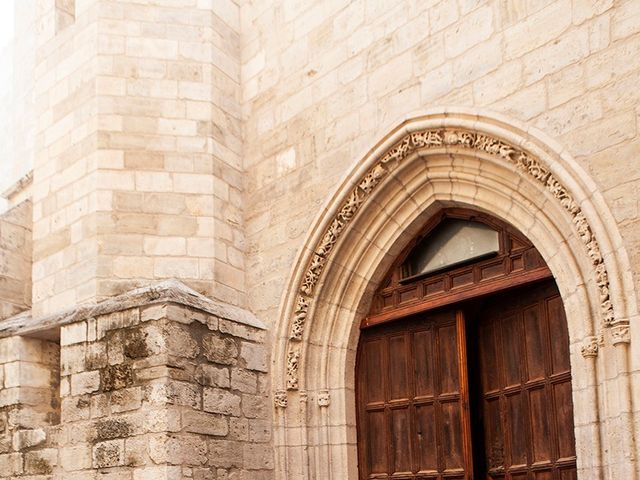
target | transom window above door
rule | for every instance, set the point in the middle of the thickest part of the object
(459, 254)
(452, 243)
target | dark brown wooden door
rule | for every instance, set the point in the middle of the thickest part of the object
(415, 384)
(524, 394)
(413, 415)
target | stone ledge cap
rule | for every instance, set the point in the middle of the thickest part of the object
(15, 188)
(169, 291)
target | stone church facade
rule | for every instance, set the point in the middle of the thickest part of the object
(206, 199)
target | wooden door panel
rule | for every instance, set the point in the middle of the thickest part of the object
(541, 448)
(401, 448)
(511, 346)
(517, 428)
(451, 437)
(418, 398)
(534, 343)
(423, 364)
(373, 354)
(523, 358)
(397, 360)
(559, 334)
(377, 441)
(413, 394)
(427, 445)
(564, 412)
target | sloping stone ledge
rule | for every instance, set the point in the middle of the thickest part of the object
(169, 291)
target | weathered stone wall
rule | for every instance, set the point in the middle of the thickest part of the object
(161, 391)
(15, 260)
(29, 407)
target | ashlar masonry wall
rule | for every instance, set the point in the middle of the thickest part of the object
(138, 171)
(338, 76)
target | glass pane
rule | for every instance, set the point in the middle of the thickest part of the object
(451, 243)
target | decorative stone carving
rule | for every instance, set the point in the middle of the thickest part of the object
(302, 307)
(280, 399)
(435, 138)
(590, 347)
(292, 369)
(313, 274)
(324, 398)
(620, 334)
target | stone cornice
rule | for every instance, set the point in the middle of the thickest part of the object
(18, 186)
(169, 291)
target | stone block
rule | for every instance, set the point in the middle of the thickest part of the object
(204, 423)
(73, 458)
(216, 400)
(108, 454)
(254, 356)
(213, 376)
(124, 400)
(220, 350)
(244, 380)
(41, 462)
(24, 439)
(85, 382)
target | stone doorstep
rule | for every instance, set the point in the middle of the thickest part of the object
(168, 291)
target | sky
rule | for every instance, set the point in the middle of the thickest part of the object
(6, 34)
(6, 21)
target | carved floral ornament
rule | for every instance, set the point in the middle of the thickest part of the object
(433, 138)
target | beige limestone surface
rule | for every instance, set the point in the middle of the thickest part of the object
(214, 142)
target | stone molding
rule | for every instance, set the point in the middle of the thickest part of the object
(418, 141)
(169, 291)
(17, 187)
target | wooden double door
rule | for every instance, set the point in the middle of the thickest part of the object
(475, 391)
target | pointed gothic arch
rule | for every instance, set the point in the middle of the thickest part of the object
(451, 158)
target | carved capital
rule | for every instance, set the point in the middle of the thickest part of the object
(280, 399)
(620, 334)
(590, 347)
(324, 398)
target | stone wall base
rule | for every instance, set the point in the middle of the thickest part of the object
(157, 390)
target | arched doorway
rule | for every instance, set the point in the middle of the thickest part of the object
(442, 159)
(463, 367)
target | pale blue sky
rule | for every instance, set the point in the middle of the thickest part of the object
(6, 21)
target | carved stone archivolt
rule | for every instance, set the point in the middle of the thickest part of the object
(293, 357)
(420, 141)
